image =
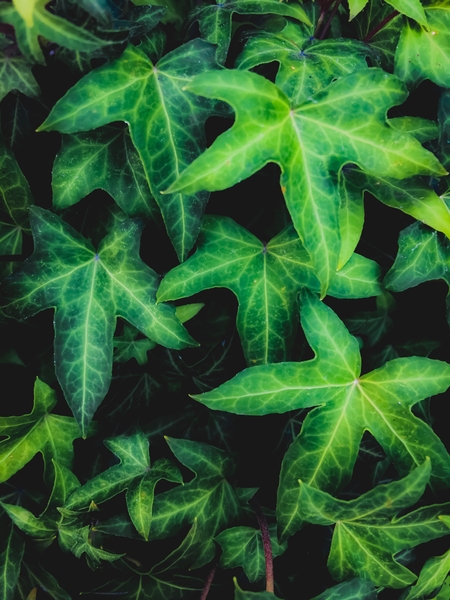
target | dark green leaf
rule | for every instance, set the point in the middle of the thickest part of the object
(15, 74)
(356, 589)
(11, 551)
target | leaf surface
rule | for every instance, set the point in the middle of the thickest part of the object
(431, 577)
(15, 74)
(12, 548)
(287, 135)
(350, 590)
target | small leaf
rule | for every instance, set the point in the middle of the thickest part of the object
(12, 548)
(243, 595)
(431, 577)
(356, 589)
(15, 74)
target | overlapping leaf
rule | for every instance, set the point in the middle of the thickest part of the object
(35, 576)
(134, 474)
(38, 431)
(349, 404)
(88, 288)
(15, 74)
(103, 159)
(215, 21)
(350, 590)
(411, 8)
(350, 116)
(165, 121)
(367, 531)
(31, 21)
(265, 278)
(431, 577)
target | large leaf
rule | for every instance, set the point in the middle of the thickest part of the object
(88, 288)
(15, 74)
(288, 135)
(380, 402)
(266, 279)
(38, 431)
(134, 474)
(368, 532)
(165, 121)
(215, 21)
(31, 21)
(103, 159)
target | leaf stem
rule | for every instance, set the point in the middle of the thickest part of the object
(208, 582)
(267, 545)
(380, 26)
(327, 26)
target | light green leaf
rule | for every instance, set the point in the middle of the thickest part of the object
(423, 51)
(410, 8)
(31, 21)
(12, 548)
(209, 497)
(423, 130)
(80, 541)
(166, 122)
(243, 547)
(38, 431)
(356, 6)
(349, 404)
(356, 589)
(265, 278)
(35, 527)
(368, 533)
(15, 74)
(88, 288)
(215, 21)
(134, 474)
(103, 159)
(307, 65)
(287, 135)
(431, 577)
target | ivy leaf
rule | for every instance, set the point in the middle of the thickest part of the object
(15, 74)
(215, 21)
(134, 474)
(423, 130)
(350, 590)
(208, 497)
(88, 288)
(38, 431)
(285, 134)
(79, 541)
(32, 21)
(243, 547)
(423, 51)
(244, 595)
(306, 65)
(99, 9)
(349, 404)
(103, 159)
(373, 325)
(12, 548)
(431, 577)
(368, 533)
(130, 89)
(37, 576)
(265, 278)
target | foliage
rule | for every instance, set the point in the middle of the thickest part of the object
(160, 436)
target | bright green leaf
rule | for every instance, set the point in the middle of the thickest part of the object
(423, 130)
(15, 74)
(265, 278)
(410, 8)
(350, 115)
(88, 288)
(165, 122)
(431, 577)
(80, 541)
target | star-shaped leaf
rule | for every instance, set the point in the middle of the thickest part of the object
(102, 159)
(88, 288)
(38, 431)
(215, 21)
(31, 21)
(165, 121)
(367, 531)
(15, 74)
(265, 278)
(348, 403)
(134, 474)
(288, 135)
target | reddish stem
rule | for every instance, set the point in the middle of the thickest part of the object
(208, 582)
(327, 26)
(380, 26)
(267, 545)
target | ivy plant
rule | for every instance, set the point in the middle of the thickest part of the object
(224, 299)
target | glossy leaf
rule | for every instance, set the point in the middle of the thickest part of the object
(350, 590)
(243, 547)
(265, 278)
(423, 130)
(15, 74)
(412, 9)
(31, 20)
(165, 122)
(38, 431)
(285, 134)
(12, 548)
(368, 532)
(431, 577)
(103, 159)
(215, 21)
(380, 402)
(88, 288)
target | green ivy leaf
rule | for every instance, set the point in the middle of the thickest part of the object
(423, 130)
(278, 132)
(99, 9)
(32, 21)
(243, 595)
(37, 576)
(368, 533)
(12, 548)
(350, 590)
(215, 21)
(15, 74)
(412, 9)
(265, 278)
(103, 159)
(431, 577)
(243, 547)
(165, 122)
(79, 541)
(380, 402)
(373, 325)
(88, 289)
(38, 431)
(134, 474)
(208, 497)
(15, 193)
